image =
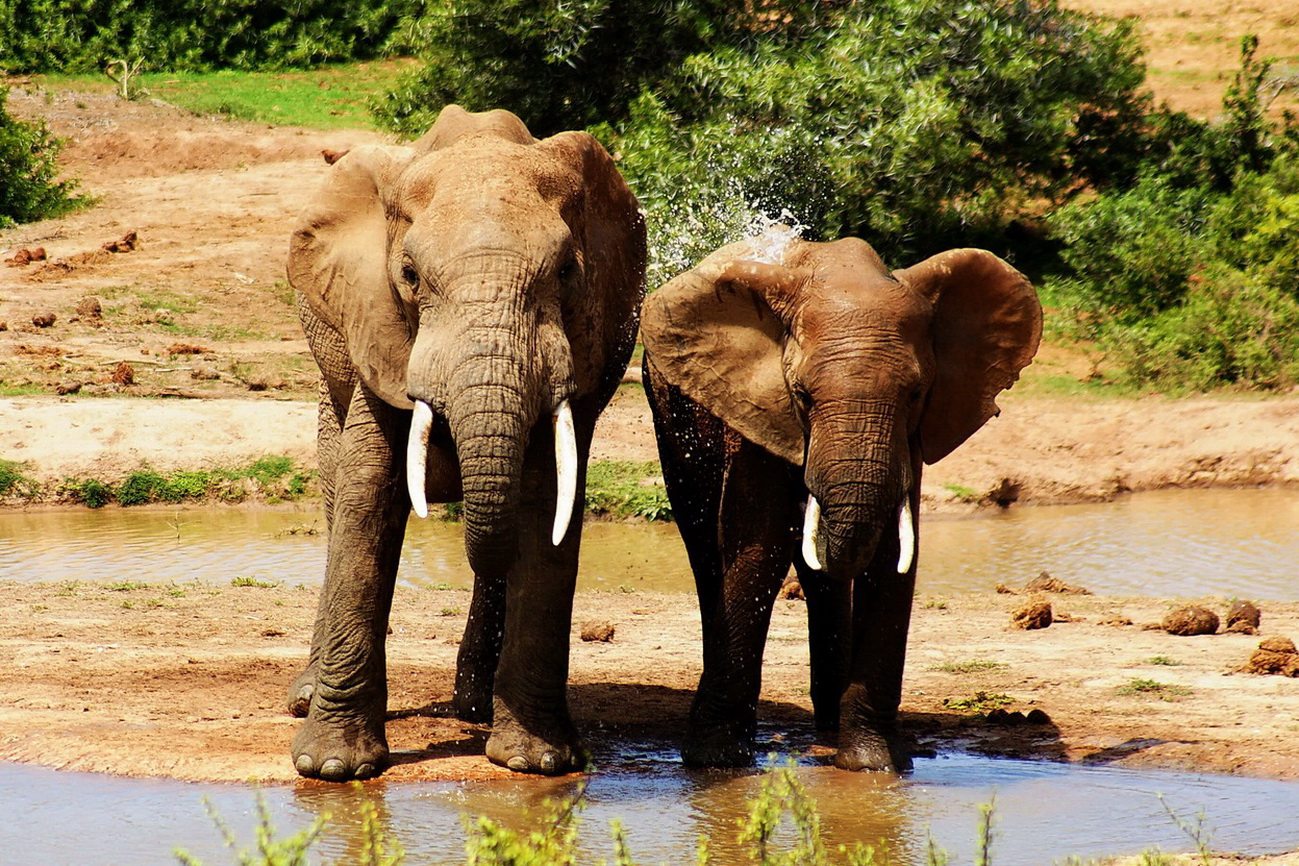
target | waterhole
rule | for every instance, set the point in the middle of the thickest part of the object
(1170, 543)
(1043, 813)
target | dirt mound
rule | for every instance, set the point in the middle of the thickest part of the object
(1275, 655)
(1192, 620)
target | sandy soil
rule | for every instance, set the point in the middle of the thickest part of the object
(187, 681)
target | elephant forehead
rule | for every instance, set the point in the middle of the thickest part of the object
(483, 169)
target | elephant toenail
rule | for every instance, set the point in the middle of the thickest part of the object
(364, 771)
(334, 770)
(518, 763)
(305, 765)
(548, 762)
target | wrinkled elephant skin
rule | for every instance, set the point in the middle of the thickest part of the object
(471, 301)
(809, 393)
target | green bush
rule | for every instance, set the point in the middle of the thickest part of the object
(618, 488)
(13, 482)
(83, 35)
(29, 186)
(1190, 279)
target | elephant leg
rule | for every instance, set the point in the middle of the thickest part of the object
(329, 429)
(532, 730)
(755, 539)
(868, 711)
(829, 639)
(342, 736)
(480, 650)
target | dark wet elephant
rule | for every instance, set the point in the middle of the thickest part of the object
(809, 393)
(472, 302)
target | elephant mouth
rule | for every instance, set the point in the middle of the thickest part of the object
(812, 542)
(566, 464)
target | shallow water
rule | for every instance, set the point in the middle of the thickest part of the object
(1189, 543)
(1044, 812)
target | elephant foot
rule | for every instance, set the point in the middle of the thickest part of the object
(549, 750)
(473, 705)
(300, 692)
(717, 746)
(872, 752)
(339, 749)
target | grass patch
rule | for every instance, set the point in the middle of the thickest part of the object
(125, 586)
(962, 493)
(170, 302)
(979, 702)
(335, 96)
(14, 482)
(275, 477)
(621, 488)
(1163, 691)
(1163, 660)
(970, 667)
(248, 580)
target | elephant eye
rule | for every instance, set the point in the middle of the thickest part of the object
(409, 275)
(567, 271)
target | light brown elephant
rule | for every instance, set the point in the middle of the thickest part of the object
(472, 302)
(809, 393)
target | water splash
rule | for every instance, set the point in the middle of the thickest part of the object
(772, 237)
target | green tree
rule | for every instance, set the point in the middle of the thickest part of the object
(29, 186)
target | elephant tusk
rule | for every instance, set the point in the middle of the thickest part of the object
(421, 424)
(811, 530)
(565, 470)
(906, 536)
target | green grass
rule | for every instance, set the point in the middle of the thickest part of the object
(621, 488)
(970, 667)
(1163, 660)
(247, 580)
(979, 702)
(1163, 691)
(14, 482)
(125, 586)
(329, 97)
(962, 493)
(276, 477)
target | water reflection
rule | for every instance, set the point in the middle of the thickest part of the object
(1044, 812)
(1225, 542)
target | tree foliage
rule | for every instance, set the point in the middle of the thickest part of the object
(83, 35)
(29, 186)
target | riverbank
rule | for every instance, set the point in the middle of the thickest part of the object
(187, 681)
(1041, 450)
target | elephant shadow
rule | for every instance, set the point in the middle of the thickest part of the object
(632, 727)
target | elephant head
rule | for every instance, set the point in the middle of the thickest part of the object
(856, 374)
(485, 280)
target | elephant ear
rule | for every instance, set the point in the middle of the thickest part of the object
(713, 333)
(611, 232)
(338, 260)
(987, 325)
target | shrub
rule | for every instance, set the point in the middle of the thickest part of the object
(29, 185)
(83, 35)
(13, 482)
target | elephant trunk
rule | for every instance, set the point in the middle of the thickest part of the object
(855, 500)
(496, 390)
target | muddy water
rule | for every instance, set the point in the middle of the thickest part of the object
(1188, 543)
(1044, 812)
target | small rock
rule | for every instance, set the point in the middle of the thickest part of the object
(44, 320)
(1244, 612)
(1037, 717)
(67, 388)
(1005, 590)
(1240, 627)
(26, 256)
(1033, 615)
(791, 588)
(123, 374)
(601, 631)
(1191, 620)
(126, 244)
(1002, 717)
(204, 374)
(90, 308)
(1275, 655)
(1116, 621)
(1277, 645)
(1044, 582)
